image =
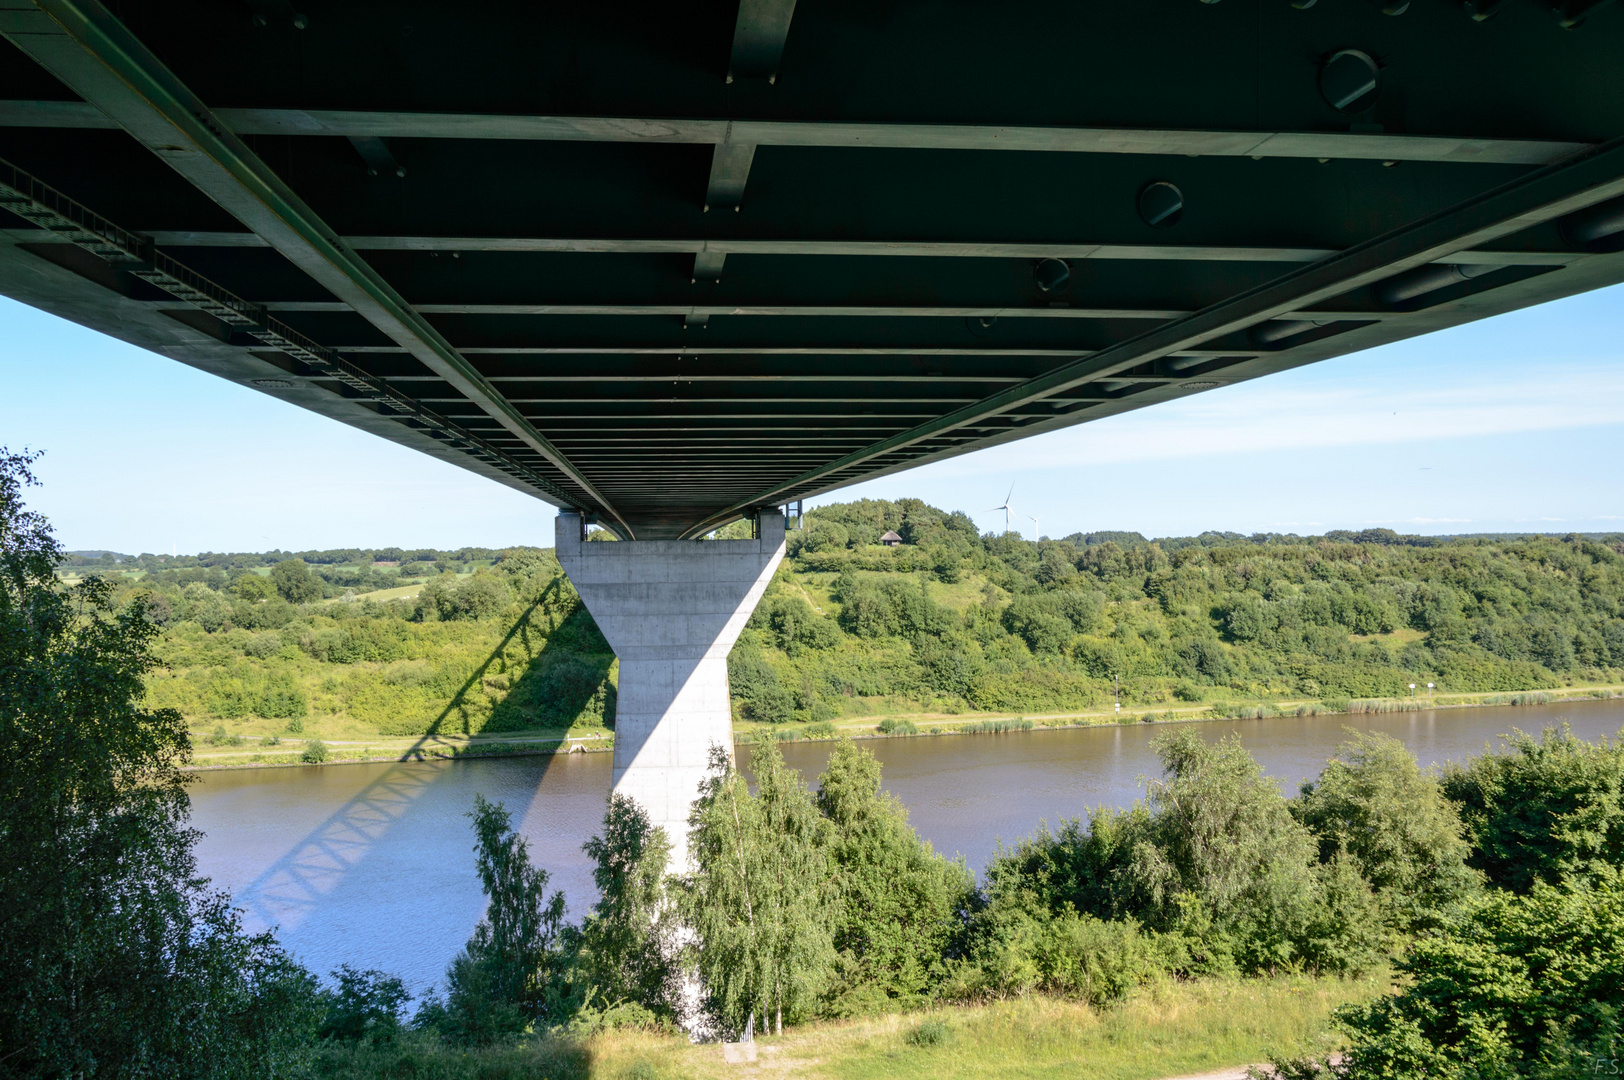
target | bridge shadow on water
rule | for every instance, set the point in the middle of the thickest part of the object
(563, 667)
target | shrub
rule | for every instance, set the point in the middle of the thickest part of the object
(893, 725)
(933, 1032)
(1544, 810)
(365, 1004)
(282, 698)
(1374, 802)
(315, 752)
(1512, 986)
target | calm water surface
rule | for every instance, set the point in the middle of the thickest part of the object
(372, 865)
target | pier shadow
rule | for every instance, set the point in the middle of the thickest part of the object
(564, 668)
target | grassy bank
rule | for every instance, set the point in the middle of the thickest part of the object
(1172, 1029)
(255, 752)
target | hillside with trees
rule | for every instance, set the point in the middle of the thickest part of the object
(950, 621)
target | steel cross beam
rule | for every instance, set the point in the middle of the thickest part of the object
(971, 249)
(846, 134)
(95, 55)
(1584, 179)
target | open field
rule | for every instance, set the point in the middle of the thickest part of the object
(1166, 1030)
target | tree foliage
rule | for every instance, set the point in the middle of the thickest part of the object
(1373, 802)
(504, 980)
(1512, 986)
(899, 904)
(625, 952)
(116, 960)
(759, 894)
(1550, 809)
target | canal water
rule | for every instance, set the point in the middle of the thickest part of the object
(372, 865)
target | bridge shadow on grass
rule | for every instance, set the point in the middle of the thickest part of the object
(563, 668)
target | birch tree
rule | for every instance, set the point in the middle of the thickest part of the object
(759, 896)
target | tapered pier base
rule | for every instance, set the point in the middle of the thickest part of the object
(671, 610)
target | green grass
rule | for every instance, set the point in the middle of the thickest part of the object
(1172, 1029)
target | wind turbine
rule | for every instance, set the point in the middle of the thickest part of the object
(1034, 530)
(1006, 508)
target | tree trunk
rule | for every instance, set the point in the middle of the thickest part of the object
(780, 1016)
(749, 1028)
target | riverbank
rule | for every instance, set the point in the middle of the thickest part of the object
(249, 752)
(1165, 1030)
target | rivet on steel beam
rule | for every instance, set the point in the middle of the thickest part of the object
(707, 208)
(1396, 7)
(1161, 204)
(1302, 5)
(1388, 164)
(1350, 80)
(261, 21)
(300, 20)
(1051, 275)
(1481, 10)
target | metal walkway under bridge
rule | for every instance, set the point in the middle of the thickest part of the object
(666, 263)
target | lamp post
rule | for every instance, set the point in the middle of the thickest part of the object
(1412, 689)
(1429, 691)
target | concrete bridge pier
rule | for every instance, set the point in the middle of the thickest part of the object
(671, 610)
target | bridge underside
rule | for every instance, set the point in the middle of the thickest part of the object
(666, 263)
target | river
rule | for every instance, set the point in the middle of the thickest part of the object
(372, 865)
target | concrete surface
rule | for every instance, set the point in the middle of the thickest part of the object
(671, 610)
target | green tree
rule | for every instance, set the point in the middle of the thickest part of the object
(505, 977)
(295, 583)
(1548, 809)
(1225, 860)
(758, 897)
(364, 1005)
(1512, 986)
(626, 946)
(253, 587)
(116, 960)
(1374, 802)
(898, 902)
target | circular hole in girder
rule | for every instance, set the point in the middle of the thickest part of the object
(1051, 275)
(1161, 204)
(1350, 81)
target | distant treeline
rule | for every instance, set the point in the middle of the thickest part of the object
(210, 560)
(999, 622)
(950, 620)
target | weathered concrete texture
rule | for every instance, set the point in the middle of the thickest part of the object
(671, 610)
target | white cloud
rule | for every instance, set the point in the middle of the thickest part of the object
(1347, 411)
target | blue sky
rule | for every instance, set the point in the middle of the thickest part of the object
(1514, 423)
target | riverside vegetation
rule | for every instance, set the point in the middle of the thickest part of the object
(1212, 921)
(339, 645)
